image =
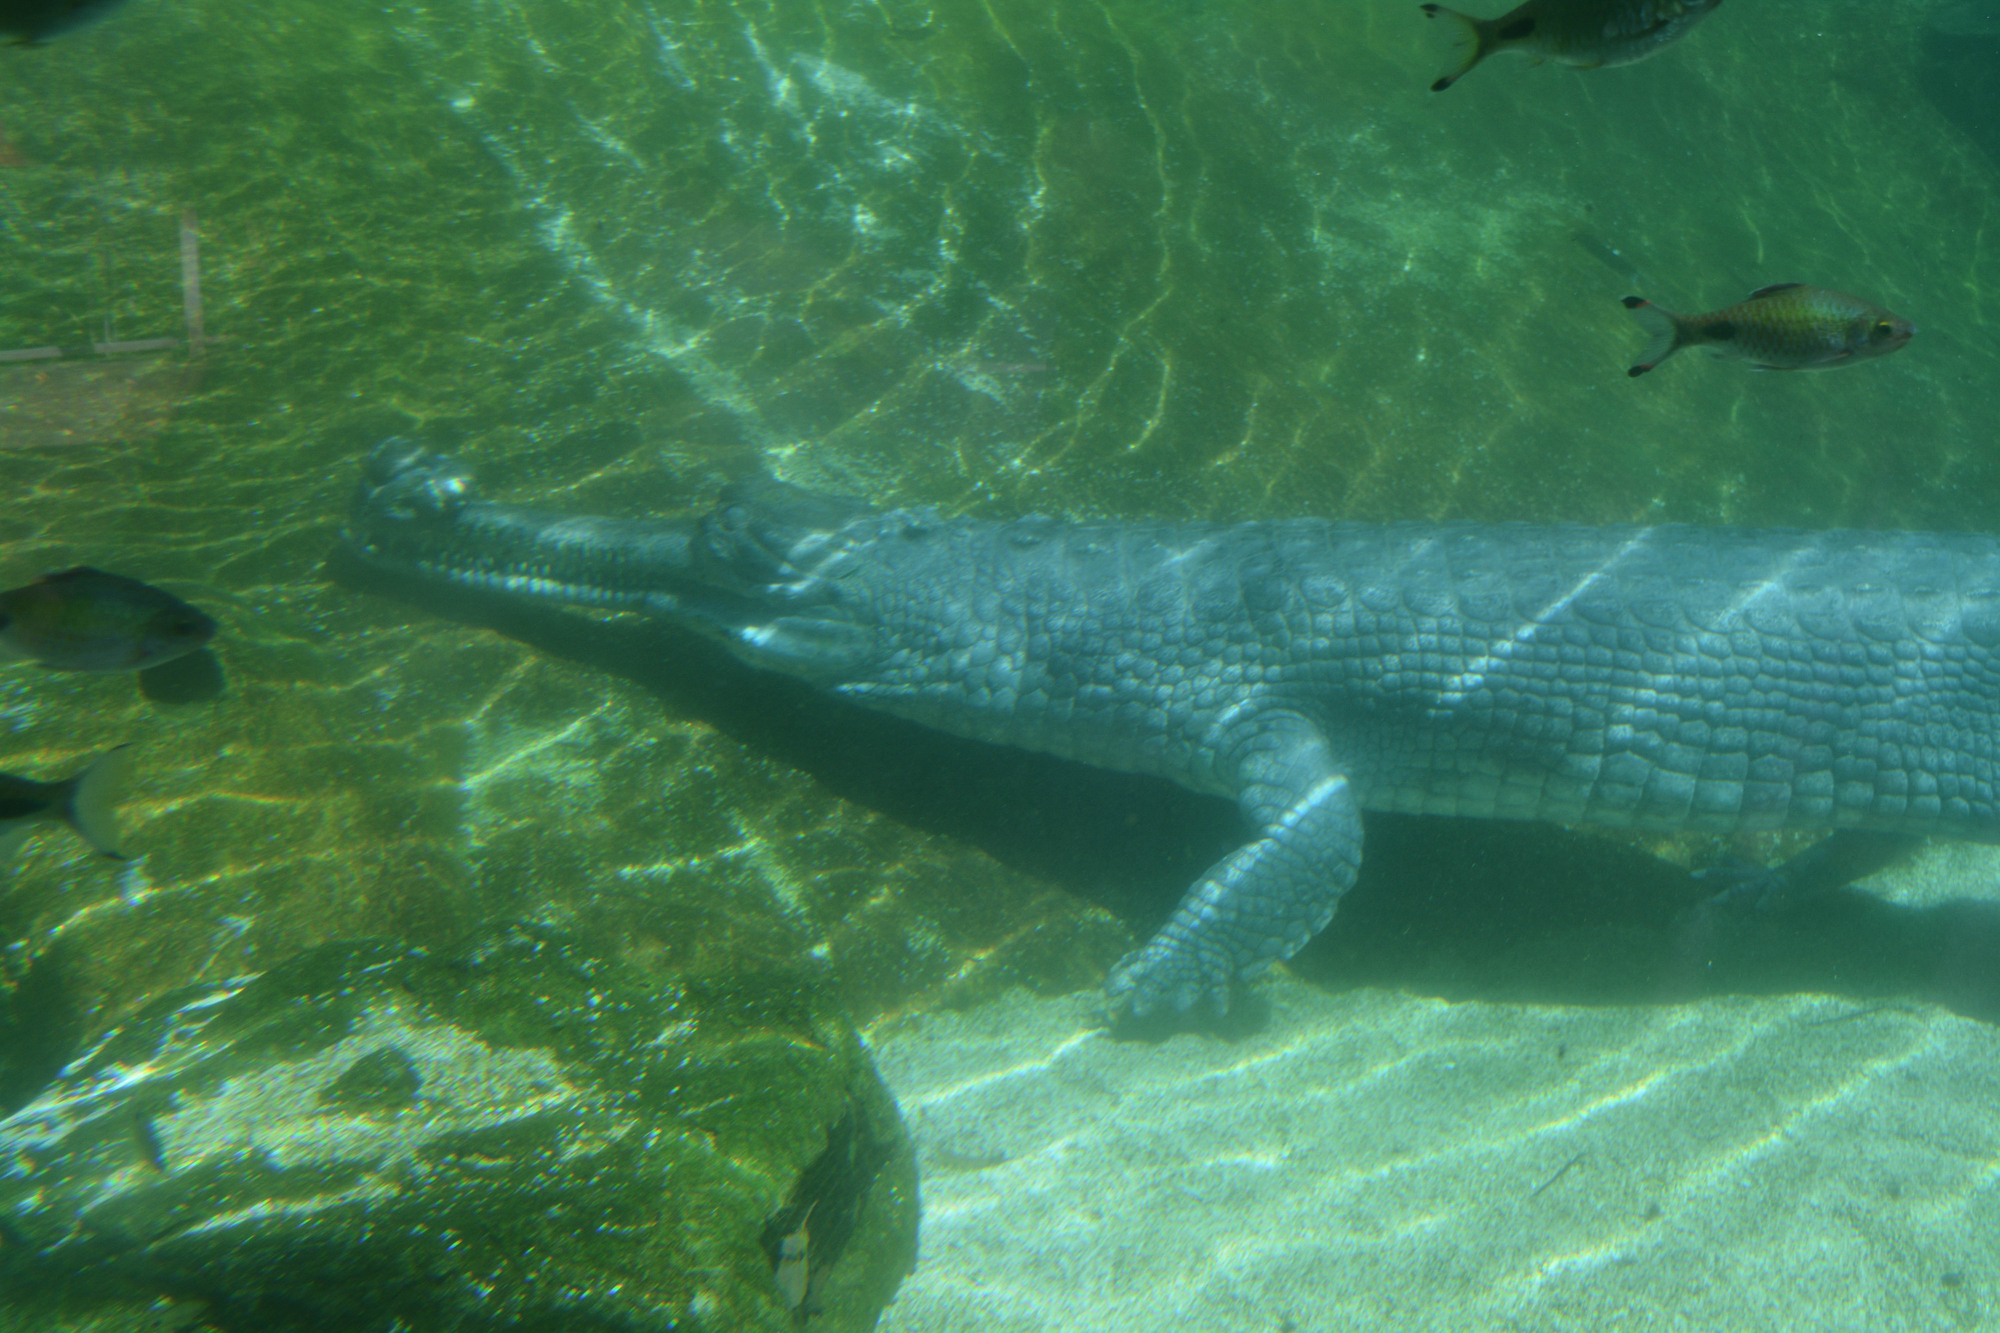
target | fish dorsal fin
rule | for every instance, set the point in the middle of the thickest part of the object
(1773, 289)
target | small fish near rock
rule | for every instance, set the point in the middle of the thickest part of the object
(794, 1263)
(84, 619)
(33, 22)
(807, 1237)
(1588, 34)
(1789, 326)
(87, 803)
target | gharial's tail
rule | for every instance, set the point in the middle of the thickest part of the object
(1666, 329)
(1474, 39)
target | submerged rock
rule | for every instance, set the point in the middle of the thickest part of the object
(373, 1138)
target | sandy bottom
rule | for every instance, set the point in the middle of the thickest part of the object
(1372, 1160)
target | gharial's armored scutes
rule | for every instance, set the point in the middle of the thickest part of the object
(1670, 678)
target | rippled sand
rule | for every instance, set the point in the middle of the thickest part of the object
(1373, 1160)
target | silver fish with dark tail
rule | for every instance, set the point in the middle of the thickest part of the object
(1789, 326)
(1586, 33)
(87, 803)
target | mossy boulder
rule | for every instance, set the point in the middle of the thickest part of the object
(521, 1136)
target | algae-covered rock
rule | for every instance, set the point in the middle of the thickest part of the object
(522, 1137)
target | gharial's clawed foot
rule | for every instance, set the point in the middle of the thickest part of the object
(1172, 974)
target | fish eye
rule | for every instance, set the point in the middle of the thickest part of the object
(1884, 328)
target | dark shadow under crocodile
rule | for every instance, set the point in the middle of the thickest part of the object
(1459, 909)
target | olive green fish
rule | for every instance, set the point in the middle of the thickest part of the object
(1585, 33)
(1786, 327)
(86, 620)
(87, 803)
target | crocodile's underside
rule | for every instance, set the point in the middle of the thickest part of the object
(1667, 678)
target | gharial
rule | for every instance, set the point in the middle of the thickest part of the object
(1662, 678)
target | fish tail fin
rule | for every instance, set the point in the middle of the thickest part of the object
(1665, 328)
(1472, 38)
(90, 805)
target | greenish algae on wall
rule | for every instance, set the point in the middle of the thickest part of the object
(1126, 259)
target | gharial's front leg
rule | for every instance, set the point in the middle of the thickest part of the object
(1263, 901)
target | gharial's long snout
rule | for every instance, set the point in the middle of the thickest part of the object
(761, 571)
(418, 513)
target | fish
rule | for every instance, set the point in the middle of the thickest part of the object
(84, 619)
(1589, 34)
(1789, 326)
(87, 803)
(32, 22)
(794, 1269)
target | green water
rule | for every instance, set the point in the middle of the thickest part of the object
(1219, 259)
